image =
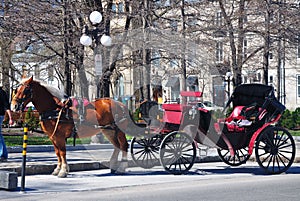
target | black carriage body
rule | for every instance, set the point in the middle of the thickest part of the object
(262, 97)
(264, 108)
(183, 124)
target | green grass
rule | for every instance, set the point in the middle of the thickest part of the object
(18, 141)
(295, 132)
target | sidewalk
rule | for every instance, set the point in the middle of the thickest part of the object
(42, 159)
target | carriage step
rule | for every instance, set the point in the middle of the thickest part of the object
(203, 151)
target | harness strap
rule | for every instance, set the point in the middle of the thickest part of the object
(57, 122)
(66, 105)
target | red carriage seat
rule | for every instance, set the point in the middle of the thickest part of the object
(239, 117)
(172, 113)
(235, 114)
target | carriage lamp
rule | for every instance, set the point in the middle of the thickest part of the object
(89, 34)
(228, 77)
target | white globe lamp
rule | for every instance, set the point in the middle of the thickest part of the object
(86, 40)
(228, 74)
(95, 17)
(105, 40)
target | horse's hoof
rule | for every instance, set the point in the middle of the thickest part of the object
(122, 168)
(55, 172)
(119, 173)
(62, 175)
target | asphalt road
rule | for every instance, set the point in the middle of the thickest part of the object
(205, 181)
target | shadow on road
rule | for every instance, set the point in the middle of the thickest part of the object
(242, 170)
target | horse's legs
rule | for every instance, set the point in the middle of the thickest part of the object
(124, 148)
(62, 167)
(113, 163)
(58, 167)
(118, 139)
(111, 136)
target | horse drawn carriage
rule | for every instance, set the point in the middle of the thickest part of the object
(173, 140)
(251, 126)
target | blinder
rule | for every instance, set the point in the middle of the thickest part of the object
(27, 95)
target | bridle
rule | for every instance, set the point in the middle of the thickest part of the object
(27, 95)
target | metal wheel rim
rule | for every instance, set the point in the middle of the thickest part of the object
(275, 150)
(177, 153)
(145, 151)
(241, 156)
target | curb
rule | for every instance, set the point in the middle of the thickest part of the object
(34, 169)
(48, 168)
(50, 148)
(95, 165)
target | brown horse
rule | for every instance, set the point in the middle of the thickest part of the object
(103, 115)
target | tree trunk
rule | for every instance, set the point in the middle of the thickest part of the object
(236, 52)
(6, 55)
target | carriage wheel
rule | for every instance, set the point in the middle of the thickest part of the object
(275, 150)
(177, 153)
(240, 157)
(144, 151)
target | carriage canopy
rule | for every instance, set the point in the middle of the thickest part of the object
(247, 94)
(256, 94)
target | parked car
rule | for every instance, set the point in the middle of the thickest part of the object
(208, 105)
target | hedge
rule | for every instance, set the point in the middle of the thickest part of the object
(290, 119)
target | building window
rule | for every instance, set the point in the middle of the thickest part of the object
(156, 59)
(192, 83)
(119, 87)
(271, 17)
(117, 7)
(50, 73)
(174, 25)
(298, 47)
(258, 77)
(120, 7)
(271, 79)
(245, 48)
(192, 21)
(245, 79)
(270, 55)
(174, 63)
(219, 18)
(298, 86)
(245, 18)
(114, 7)
(219, 51)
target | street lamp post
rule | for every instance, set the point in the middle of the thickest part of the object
(228, 77)
(96, 35)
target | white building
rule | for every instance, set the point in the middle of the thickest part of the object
(206, 66)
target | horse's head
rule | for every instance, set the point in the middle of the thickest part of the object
(23, 95)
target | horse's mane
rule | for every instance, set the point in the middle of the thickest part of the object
(53, 90)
